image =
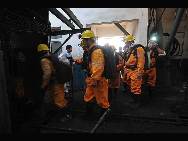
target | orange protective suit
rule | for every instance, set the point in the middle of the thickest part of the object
(151, 73)
(57, 90)
(134, 70)
(97, 85)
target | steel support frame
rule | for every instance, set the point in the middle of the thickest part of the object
(72, 17)
(63, 44)
(61, 17)
(122, 29)
(65, 32)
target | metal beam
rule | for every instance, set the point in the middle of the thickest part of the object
(175, 27)
(122, 29)
(61, 17)
(63, 44)
(101, 119)
(65, 32)
(72, 17)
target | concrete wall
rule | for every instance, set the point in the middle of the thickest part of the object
(98, 15)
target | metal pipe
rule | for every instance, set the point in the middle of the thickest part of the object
(175, 27)
(101, 119)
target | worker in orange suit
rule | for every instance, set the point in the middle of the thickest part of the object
(134, 69)
(115, 83)
(49, 83)
(151, 73)
(96, 83)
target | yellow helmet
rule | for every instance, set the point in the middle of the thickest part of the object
(129, 38)
(42, 47)
(87, 34)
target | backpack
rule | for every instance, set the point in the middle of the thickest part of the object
(146, 55)
(63, 71)
(110, 61)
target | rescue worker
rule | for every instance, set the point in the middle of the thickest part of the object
(96, 83)
(150, 74)
(134, 69)
(50, 85)
(115, 83)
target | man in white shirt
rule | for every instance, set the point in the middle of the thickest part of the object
(67, 58)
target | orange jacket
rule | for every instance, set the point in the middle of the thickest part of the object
(96, 65)
(140, 62)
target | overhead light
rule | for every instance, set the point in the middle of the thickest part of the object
(154, 38)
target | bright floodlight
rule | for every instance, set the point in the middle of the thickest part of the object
(154, 38)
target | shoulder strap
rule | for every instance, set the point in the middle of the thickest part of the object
(132, 49)
(91, 51)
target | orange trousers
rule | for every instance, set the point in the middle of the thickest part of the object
(100, 92)
(58, 96)
(151, 77)
(133, 81)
